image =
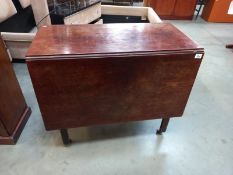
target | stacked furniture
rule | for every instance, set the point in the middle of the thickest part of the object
(173, 9)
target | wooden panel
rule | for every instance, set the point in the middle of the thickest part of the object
(82, 92)
(12, 103)
(163, 7)
(3, 131)
(217, 11)
(108, 39)
(11, 139)
(207, 10)
(173, 9)
(185, 8)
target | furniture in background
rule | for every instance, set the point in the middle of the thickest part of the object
(17, 20)
(72, 12)
(76, 13)
(108, 14)
(18, 43)
(14, 111)
(41, 12)
(200, 4)
(123, 1)
(145, 13)
(21, 21)
(218, 11)
(173, 9)
(111, 78)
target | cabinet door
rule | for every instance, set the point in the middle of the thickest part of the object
(185, 8)
(163, 7)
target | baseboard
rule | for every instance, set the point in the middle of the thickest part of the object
(12, 140)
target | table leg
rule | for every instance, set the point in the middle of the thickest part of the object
(229, 46)
(163, 126)
(65, 136)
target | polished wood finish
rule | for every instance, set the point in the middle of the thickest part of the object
(87, 40)
(99, 74)
(12, 103)
(81, 92)
(173, 9)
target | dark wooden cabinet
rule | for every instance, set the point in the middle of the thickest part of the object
(163, 7)
(173, 9)
(14, 111)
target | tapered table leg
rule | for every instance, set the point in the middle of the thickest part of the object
(65, 137)
(229, 46)
(163, 126)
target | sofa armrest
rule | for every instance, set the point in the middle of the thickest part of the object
(123, 10)
(17, 43)
(147, 12)
(17, 37)
(152, 16)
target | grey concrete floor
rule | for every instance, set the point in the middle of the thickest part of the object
(199, 143)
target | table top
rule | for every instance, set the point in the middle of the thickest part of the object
(109, 39)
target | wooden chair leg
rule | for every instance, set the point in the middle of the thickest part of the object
(163, 126)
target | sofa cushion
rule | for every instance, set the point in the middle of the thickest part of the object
(7, 9)
(22, 22)
(25, 3)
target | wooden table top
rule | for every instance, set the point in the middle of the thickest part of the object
(109, 39)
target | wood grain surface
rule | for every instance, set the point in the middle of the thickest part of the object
(108, 39)
(82, 92)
